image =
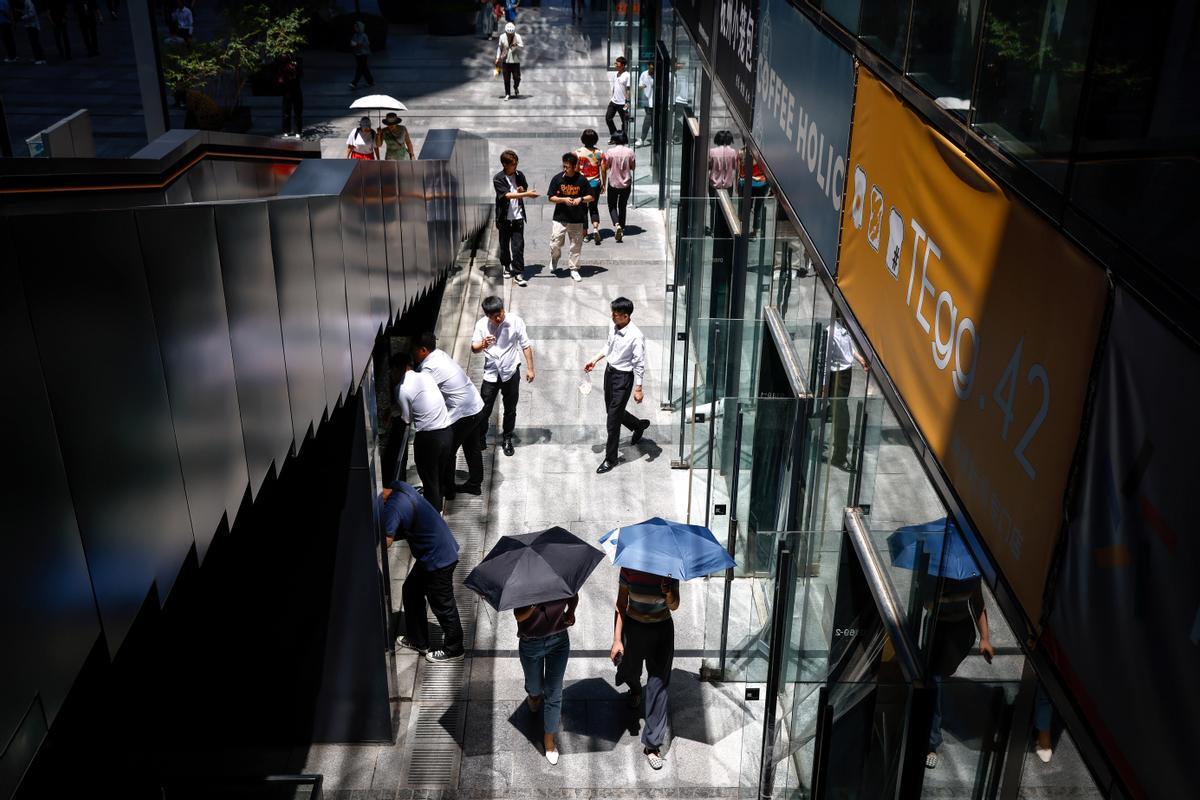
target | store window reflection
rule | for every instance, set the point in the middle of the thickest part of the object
(945, 35)
(881, 24)
(1136, 171)
(1034, 55)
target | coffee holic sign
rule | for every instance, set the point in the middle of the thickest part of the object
(985, 318)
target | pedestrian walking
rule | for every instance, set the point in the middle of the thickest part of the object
(465, 407)
(33, 29)
(646, 83)
(620, 163)
(409, 516)
(592, 167)
(422, 406)
(502, 338)
(618, 101)
(759, 189)
(184, 22)
(394, 138)
(510, 10)
(841, 358)
(85, 13)
(570, 193)
(362, 142)
(289, 71)
(544, 646)
(577, 10)
(511, 190)
(722, 169)
(6, 31)
(58, 24)
(626, 355)
(360, 46)
(508, 58)
(644, 636)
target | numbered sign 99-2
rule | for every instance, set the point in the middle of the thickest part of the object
(985, 319)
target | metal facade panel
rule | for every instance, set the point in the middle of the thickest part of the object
(225, 179)
(358, 279)
(49, 617)
(202, 181)
(376, 245)
(325, 216)
(183, 272)
(104, 373)
(413, 221)
(255, 335)
(291, 248)
(393, 240)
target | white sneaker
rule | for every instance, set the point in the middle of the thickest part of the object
(1045, 754)
(552, 756)
(575, 276)
(618, 233)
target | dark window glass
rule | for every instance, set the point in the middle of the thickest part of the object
(1034, 56)
(1137, 167)
(881, 24)
(844, 11)
(941, 55)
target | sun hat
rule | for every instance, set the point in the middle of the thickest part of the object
(510, 28)
(391, 119)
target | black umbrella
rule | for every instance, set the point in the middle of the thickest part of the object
(533, 568)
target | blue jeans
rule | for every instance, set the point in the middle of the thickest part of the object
(545, 662)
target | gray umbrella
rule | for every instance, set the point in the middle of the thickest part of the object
(533, 568)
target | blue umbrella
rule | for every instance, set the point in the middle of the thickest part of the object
(671, 549)
(948, 557)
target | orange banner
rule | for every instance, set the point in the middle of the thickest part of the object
(985, 318)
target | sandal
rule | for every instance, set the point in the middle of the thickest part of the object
(656, 760)
(931, 760)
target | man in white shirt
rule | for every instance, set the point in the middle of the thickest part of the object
(626, 354)
(508, 58)
(502, 338)
(841, 358)
(421, 405)
(646, 82)
(465, 407)
(618, 103)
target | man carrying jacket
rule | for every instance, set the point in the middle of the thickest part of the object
(511, 191)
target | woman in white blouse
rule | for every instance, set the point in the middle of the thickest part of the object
(361, 143)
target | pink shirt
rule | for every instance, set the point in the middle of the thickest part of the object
(722, 165)
(621, 161)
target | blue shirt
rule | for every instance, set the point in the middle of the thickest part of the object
(408, 515)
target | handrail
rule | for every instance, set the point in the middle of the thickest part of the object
(884, 593)
(787, 353)
(731, 217)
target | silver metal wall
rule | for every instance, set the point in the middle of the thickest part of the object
(159, 362)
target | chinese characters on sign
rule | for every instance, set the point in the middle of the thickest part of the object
(736, 51)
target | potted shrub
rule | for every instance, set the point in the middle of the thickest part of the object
(214, 74)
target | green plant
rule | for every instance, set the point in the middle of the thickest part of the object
(220, 69)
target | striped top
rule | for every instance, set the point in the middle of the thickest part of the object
(646, 603)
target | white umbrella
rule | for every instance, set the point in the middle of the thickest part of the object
(379, 102)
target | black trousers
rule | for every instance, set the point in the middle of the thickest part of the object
(512, 244)
(432, 450)
(512, 74)
(594, 207)
(35, 44)
(614, 109)
(618, 387)
(618, 200)
(466, 436)
(62, 40)
(10, 43)
(839, 389)
(651, 645)
(293, 106)
(87, 29)
(647, 122)
(511, 389)
(436, 587)
(362, 71)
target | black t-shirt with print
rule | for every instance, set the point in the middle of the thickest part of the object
(562, 186)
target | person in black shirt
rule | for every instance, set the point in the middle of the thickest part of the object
(570, 193)
(289, 70)
(511, 191)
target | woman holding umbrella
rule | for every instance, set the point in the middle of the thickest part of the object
(361, 143)
(544, 649)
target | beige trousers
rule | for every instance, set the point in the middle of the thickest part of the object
(558, 233)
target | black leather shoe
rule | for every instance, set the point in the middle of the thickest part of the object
(637, 435)
(604, 467)
(467, 488)
(508, 446)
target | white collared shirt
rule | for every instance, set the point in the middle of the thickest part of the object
(421, 404)
(514, 203)
(461, 396)
(841, 348)
(626, 350)
(503, 358)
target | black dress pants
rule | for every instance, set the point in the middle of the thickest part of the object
(512, 74)
(432, 450)
(466, 436)
(362, 71)
(436, 587)
(618, 200)
(87, 27)
(10, 43)
(618, 387)
(511, 389)
(512, 244)
(615, 110)
(293, 106)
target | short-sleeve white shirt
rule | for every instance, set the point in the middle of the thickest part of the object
(421, 403)
(620, 88)
(461, 396)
